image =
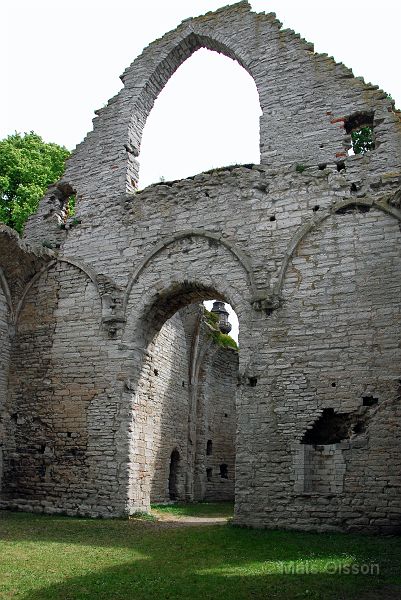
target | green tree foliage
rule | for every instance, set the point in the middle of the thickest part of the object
(27, 166)
(362, 140)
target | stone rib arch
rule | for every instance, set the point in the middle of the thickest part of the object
(73, 262)
(163, 244)
(316, 221)
(170, 278)
(150, 309)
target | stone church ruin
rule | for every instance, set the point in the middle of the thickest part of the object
(113, 390)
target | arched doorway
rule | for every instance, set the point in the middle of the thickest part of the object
(173, 475)
(174, 354)
(185, 396)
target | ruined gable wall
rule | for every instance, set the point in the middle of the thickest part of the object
(304, 96)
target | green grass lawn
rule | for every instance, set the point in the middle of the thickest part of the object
(201, 509)
(61, 558)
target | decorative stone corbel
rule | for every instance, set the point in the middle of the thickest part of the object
(266, 301)
(113, 318)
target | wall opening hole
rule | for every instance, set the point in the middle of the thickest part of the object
(360, 127)
(333, 384)
(156, 372)
(224, 471)
(329, 428)
(352, 208)
(209, 474)
(272, 218)
(316, 208)
(369, 401)
(171, 326)
(322, 166)
(253, 381)
(69, 434)
(359, 427)
(341, 166)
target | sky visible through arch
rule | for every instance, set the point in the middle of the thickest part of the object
(61, 61)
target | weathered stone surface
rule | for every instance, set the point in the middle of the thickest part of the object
(305, 247)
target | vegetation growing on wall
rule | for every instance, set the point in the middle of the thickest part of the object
(362, 140)
(28, 165)
(222, 339)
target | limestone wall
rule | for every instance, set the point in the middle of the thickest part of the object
(56, 389)
(334, 345)
(4, 366)
(168, 395)
(305, 247)
(5, 345)
(316, 290)
(220, 382)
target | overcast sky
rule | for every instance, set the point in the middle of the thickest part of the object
(61, 60)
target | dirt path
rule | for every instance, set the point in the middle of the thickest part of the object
(183, 520)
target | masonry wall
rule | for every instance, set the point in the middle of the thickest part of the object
(333, 344)
(168, 401)
(4, 365)
(5, 346)
(221, 386)
(54, 386)
(283, 348)
(305, 247)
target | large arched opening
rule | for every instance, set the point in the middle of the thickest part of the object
(184, 401)
(206, 117)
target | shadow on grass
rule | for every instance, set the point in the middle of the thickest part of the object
(140, 560)
(125, 582)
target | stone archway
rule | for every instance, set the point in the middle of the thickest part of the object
(165, 393)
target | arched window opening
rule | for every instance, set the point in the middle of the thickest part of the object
(209, 448)
(207, 116)
(173, 475)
